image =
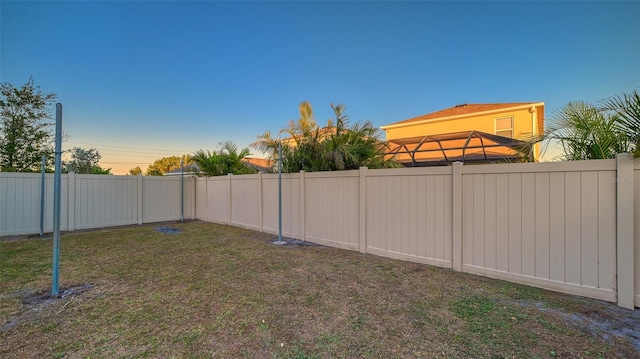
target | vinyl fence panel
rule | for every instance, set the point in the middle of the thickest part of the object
(246, 202)
(103, 201)
(162, 197)
(331, 208)
(291, 209)
(218, 196)
(201, 198)
(91, 201)
(408, 214)
(20, 203)
(559, 225)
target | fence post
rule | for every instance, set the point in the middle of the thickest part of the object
(260, 209)
(230, 203)
(456, 249)
(624, 229)
(71, 202)
(139, 199)
(194, 202)
(206, 199)
(302, 207)
(362, 229)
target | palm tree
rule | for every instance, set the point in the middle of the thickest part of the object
(225, 160)
(232, 160)
(627, 110)
(586, 132)
(266, 144)
(337, 146)
(209, 163)
(355, 146)
(305, 127)
(300, 141)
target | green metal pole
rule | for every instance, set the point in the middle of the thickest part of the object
(182, 190)
(280, 241)
(42, 179)
(56, 202)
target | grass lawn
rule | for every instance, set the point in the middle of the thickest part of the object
(218, 291)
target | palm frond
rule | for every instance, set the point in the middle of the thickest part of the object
(585, 132)
(627, 111)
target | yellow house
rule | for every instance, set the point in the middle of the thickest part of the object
(485, 132)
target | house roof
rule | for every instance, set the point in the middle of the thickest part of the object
(465, 110)
(260, 164)
(188, 170)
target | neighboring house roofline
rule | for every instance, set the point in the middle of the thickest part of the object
(189, 170)
(260, 164)
(418, 121)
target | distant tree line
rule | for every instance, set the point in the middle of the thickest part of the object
(163, 165)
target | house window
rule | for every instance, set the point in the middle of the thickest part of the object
(504, 126)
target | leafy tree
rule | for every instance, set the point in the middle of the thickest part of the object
(85, 161)
(135, 171)
(226, 160)
(334, 147)
(25, 134)
(166, 164)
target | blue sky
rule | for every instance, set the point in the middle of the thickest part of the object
(147, 79)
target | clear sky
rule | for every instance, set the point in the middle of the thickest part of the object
(140, 80)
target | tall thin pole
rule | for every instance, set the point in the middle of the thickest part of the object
(182, 190)
(42, 179)
(56, 202)
(280, 241)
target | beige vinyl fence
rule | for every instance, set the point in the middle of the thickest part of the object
(568, 226)
(564, 226)
(91, 201)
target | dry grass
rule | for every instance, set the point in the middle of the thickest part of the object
(218, 291)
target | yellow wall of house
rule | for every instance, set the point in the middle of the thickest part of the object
(486, 123)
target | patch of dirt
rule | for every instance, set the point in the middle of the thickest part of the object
(45, 298)
(8, 325)
(24, 236)
(168, 230)
(37, 301)
(609, 322)
(289, 242)
(294, 243)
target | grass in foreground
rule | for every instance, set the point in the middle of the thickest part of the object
(218, 291)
